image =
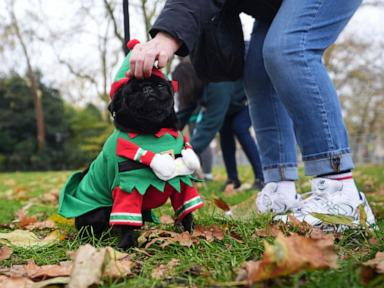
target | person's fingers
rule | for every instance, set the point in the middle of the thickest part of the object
(149, 60)
(138, 72)
(132, 60)
(162, 59)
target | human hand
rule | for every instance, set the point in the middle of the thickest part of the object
(164, 166)
(190, 159)
(143, 56)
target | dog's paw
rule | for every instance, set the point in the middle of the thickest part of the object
(128, 238)
(187, 223)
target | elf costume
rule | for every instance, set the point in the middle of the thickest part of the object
(129, 173)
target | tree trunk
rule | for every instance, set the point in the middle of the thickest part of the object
(39, 114)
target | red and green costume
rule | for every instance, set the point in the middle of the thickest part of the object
(120, 176)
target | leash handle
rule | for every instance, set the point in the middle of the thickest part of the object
(126, 25)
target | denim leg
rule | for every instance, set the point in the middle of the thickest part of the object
(206, 160)
(293, 50)
(241, 122)
(272, 124)
(228, 148)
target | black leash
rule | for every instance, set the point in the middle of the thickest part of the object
(126, 25)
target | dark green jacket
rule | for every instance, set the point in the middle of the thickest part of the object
(219, 100)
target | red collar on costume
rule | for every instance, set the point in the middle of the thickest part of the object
(159, 133)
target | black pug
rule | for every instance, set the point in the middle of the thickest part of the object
(143, 163)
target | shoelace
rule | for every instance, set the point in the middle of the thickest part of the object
(317, 201)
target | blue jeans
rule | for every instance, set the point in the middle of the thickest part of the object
(239, 125)
(290, 94)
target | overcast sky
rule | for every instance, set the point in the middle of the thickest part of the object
(61, 17)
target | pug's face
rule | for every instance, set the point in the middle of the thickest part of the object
(144, 106)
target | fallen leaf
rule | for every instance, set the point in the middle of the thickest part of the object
(235, 236)
(118, 264)
(87, 267)
(19, 282)
(373, 241)
(377, 263)
(5, 253)
(151, 234)
(165, 270)
(62, 220)
(166, 219)
(24, 220)
(52, 197)
(372, 268)
(50, 282)
(363, 215)
(229, 190)
(221, 204)
(47, 224)
(290, 255)
(33, 271)
(210, 233)
(22, 238)
(91, 265)
(334, 219)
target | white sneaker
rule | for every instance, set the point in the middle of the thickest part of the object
(277, 197)
(332, 197)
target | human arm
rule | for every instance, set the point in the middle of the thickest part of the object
(175, 31)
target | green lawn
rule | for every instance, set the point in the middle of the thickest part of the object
(205, 264)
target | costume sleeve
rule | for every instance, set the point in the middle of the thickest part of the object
(217, 99)
(183, 19)
(134, 152)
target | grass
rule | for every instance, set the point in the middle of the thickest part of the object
(204, 264)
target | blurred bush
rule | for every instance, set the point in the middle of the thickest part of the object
(74, 136)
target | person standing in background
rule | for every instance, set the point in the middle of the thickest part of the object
(223, 107)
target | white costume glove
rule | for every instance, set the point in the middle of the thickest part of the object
(190, 159)
(181, 168)
(164, 166)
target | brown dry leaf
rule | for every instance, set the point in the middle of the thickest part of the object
(33, 271)
(19, 282)
(166, 219)
(23, 219)
(48, 271)
(210, 233)
(5, 253)
(376, 263)
(87, 266)
(221, 204)
(118, 264)
(229, 190)
(290, 255)
(53, 282)
(153, 234)
(372, 268)
(303, 227)
(165, 270)
(52, 197)
(237, 237)
(373, 241)
(47, 224)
